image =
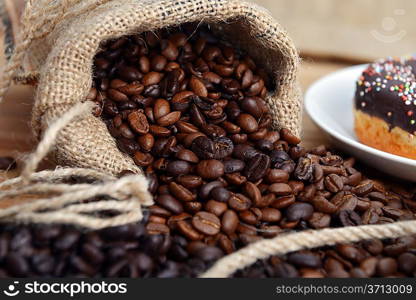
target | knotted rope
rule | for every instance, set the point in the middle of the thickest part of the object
(62, 202)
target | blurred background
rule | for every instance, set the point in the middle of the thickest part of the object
(330, 35)
(357, 30)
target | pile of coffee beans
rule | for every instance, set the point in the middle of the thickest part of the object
(124, 251)
(191, 112)
(390, 258)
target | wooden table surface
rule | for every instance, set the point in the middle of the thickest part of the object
(16, 137)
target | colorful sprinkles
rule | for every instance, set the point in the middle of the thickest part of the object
(393, 75)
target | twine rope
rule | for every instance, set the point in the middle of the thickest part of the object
(61, 202)
(284, 244)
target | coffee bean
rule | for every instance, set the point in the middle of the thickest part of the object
(305, 259)
(215, 207)
(233, 166)
(277, 176)
(284, 270)
(142, 159)
(220, 194)
(188, 230)
(223, 147)
(247, 123)
(386, 267)
(319, 220)
(206, 223)
(334, 183)
(256, 167)
(210, 169)
(161, 108)
(349, 218)
(169, 119)
(271, 215)
(178, 167)
(253, 192)
(229, 222)
(321, 204)
(299, 211)
(190, 181)
(117, 96)
(239, 202)
(289, 137)
(181, 192)
(407, 263)
(304, 169)
(170, 204)
(363, 189)
(187, 155)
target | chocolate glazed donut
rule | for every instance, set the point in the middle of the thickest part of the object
(385, 106)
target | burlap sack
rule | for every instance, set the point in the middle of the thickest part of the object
(67, 34)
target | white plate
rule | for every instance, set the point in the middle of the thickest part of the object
(329, 102)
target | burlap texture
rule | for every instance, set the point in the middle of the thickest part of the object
(71, 33)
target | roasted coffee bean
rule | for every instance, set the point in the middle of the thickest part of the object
(304, 169)
(215, 207)
(277, 176)
(210, 169)
(239, 202)
(319, 220)
(280, 189)
(256, 168)
(142, 159)
(220, 194)
(253, 192)
(206, 223)
(204, 147)
(271, 215)
(322, 205)
(233, 166)
(223, 147)
(146, 142)
(169, 119)
(229, 222)
(289, 137)
(181, 192)
(334, 183)
(190, 181)
(254, 106)
(178, 167)
(170, 204)
(187, 155)
(363, 189)
(299, 211)
(305, 259)
(206, 189)
(348, 218)
(386, 267)
(247, 123)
